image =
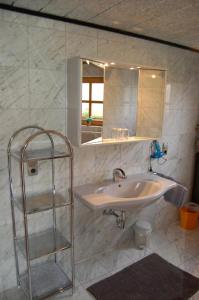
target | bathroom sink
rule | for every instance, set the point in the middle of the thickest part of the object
(132, 189)
(136, 191)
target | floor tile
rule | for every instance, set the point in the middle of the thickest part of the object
(89, 270)
(79, 294)
(135, 254)
(13, 294)
(174, 253)
(113, 260)
(191, 266)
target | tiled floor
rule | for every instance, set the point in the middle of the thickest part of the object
(176, 245)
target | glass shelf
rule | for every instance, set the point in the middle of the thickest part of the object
(41, 202)
(43, 243)
(39, 154)
(47, 279)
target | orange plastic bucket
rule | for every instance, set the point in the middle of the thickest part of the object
(188, 218)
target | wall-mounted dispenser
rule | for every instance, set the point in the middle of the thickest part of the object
(157, 152)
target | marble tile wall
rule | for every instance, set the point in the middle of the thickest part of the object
(33, 83)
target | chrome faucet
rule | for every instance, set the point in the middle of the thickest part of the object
(118, 174)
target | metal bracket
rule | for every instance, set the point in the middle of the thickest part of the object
(120, 217)
(32, 166)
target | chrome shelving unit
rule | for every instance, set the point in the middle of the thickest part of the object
(42, 279)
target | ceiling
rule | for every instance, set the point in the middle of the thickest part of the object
(175, 21)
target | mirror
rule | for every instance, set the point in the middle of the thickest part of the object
(120, 102)
(92, 100)
(114, 103)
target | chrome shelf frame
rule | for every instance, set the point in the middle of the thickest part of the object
(47, 279)
(40, 202)
(42, 244)
(30, 245)
(39, 154)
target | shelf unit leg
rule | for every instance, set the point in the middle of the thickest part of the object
(27, 255)
(72, 224)
(15, 246)
(13, 218)
(26, 229)
(53, 195)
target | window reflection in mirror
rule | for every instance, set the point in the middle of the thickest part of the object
(92, 100)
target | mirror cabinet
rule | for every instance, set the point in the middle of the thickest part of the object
(113, 103)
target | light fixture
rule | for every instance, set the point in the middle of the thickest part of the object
(138, 67)
(106, 64)
(153, 76)
(88, 62)
(112, 63)
(131, 68)
(137, 28)
(115, 22)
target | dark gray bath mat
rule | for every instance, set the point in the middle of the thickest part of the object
(151, 278)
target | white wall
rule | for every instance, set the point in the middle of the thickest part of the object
(33, 82)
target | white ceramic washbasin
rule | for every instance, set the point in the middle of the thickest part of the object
(132, 189)
(134, 192)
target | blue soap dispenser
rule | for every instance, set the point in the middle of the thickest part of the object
(156, 150)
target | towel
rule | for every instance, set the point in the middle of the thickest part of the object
(177, 195)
